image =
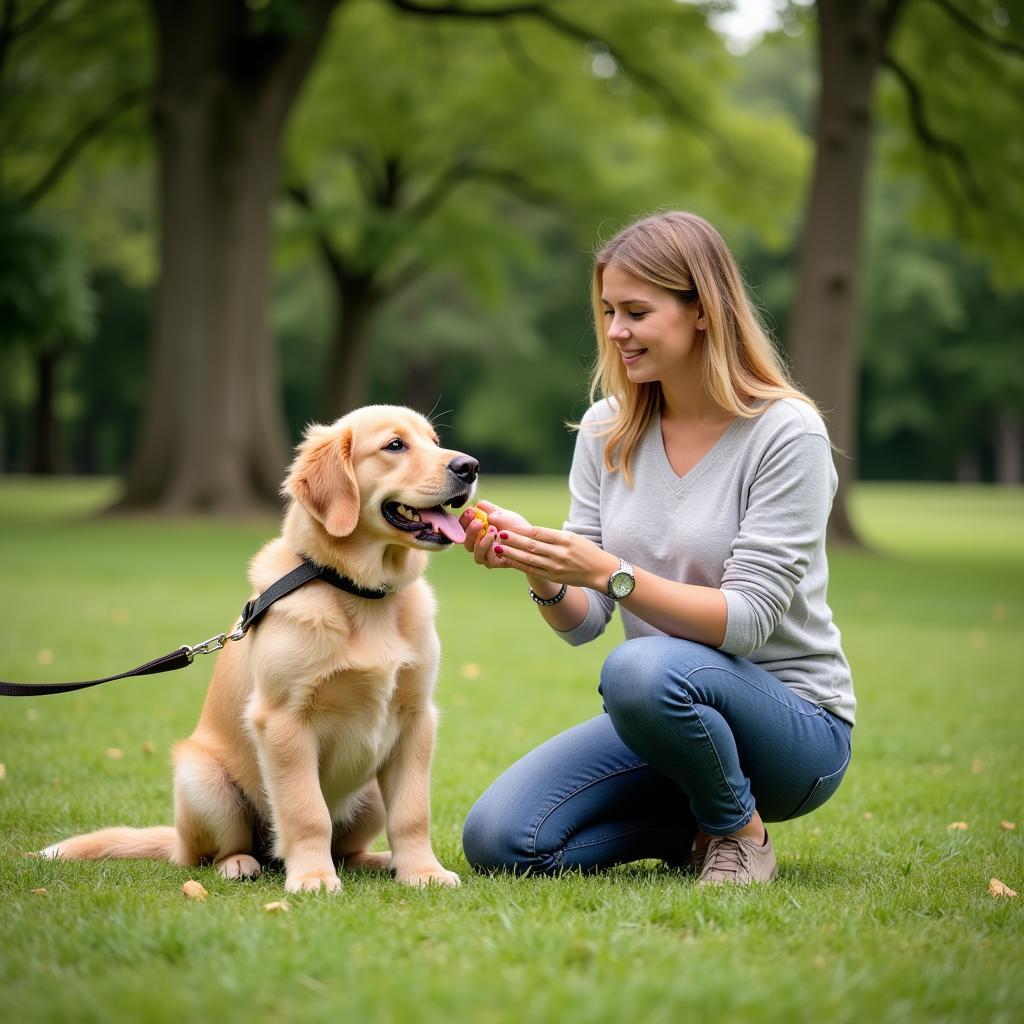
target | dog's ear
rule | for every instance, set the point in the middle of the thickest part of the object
(323, 480)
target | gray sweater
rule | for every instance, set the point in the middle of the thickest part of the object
(749, 518)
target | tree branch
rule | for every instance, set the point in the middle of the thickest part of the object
(299, 194)
(36, 18)
(7, 31)
(520, 57)
(979, 31)
(887, 19)
(515, 183)
(465, 169)
(11, 29)
(929, 138)
(93, 127)
(665, 97)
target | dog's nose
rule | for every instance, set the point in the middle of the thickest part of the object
(465, 468)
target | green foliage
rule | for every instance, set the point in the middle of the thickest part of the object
(970, 91)
(465, 167)
(74, 134)
(880, 911)
(512, 149)
(45, 299)
(942, 351)
(414, 129)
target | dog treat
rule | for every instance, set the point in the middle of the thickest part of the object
(194, 890)
(480, 514)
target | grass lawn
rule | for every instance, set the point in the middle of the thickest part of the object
(881, 911)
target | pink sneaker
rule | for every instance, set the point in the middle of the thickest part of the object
(739, 861)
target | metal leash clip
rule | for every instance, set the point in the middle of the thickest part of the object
(215, 643)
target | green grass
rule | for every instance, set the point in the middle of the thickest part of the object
(880, 912)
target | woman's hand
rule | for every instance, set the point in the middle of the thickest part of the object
(480, 540)
(556, 555)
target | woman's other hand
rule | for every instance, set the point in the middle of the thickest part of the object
(556, 555)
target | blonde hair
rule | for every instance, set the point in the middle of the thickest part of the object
(741, 369)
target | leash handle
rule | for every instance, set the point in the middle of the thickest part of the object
(180, 658)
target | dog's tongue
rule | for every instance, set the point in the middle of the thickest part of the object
(443, 523)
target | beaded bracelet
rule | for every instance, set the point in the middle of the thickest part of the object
(547, 602)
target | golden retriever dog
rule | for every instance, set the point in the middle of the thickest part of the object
(318, 727)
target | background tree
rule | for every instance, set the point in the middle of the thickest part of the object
(46, 307)
(947, 400)
(58, 94)
(971, 41)
(440, 181)
(228, 74)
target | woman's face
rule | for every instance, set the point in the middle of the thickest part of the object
(656, 334)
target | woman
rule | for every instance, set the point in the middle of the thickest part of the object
(701, 486)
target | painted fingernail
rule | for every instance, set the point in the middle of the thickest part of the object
(498, 549)
(491, 529)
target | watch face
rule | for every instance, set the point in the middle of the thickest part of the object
(621, 584)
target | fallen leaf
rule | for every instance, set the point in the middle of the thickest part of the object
(31, 715)
(957, 826)
(149, 747)
(194, 891)
(999, 889)
(977, 766)
(977, 638)
(276, 906)
(39, 892)
(1007, 826)
(3, 772)
(115, 753)
(44, 657)
(868, 815)
(471, 670)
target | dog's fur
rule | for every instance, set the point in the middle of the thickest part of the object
(318, 727)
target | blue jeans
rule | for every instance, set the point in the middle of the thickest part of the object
(691, 739)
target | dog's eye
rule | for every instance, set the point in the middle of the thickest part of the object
(396, 445)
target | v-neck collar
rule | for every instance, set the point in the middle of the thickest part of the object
(680, 483)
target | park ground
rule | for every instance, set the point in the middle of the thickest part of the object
(881, 912)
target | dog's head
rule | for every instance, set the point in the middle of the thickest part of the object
(382, 471)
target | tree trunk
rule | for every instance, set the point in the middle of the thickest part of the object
(1009, 449)
(823, 332)
(347, 383)
(213, 436)
(422, 389)
(44, 421)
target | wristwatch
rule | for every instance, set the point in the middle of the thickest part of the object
(622, 581)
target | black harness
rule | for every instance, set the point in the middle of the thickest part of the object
(251, 614)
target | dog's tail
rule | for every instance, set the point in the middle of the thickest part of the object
(158, 843)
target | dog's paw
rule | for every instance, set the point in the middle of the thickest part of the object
(432, 874)
(364, 861)
(313, 881)
(50, 853)
(239, 865)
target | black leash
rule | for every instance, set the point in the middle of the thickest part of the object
(251, 614)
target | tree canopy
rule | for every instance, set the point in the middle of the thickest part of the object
(441, 181)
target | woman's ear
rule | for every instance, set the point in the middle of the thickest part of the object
(702, 320)
(323, 479)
